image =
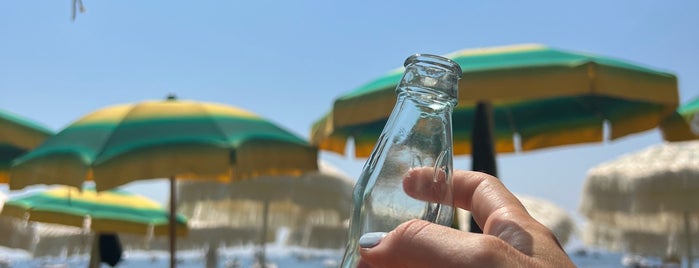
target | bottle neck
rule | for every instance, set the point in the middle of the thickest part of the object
(433, 73)
(426, 97)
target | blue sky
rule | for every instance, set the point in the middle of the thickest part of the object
(288, 60)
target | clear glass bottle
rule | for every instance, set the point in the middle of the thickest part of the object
(418, 133)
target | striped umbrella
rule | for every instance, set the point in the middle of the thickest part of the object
(683, 125)
(105, 213)
(544, 96)
(17, 136)
(522, 97)
(164, 139)
(111, 211)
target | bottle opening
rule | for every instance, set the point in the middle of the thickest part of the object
(434, 60)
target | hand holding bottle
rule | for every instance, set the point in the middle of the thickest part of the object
(511, 237)
(417, 134)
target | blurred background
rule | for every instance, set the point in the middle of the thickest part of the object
(288, 61)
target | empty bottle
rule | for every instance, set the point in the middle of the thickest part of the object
(418, 133)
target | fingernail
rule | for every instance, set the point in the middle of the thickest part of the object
(370, 240)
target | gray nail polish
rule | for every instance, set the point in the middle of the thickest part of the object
(370, 240)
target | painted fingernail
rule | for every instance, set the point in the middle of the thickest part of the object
(370, 240)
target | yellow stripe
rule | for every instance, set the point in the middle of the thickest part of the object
(495, 50)
(106, 198)
(162, 109)
(108, 114)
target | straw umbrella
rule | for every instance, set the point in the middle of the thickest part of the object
(651, 191)
(175, 139)
(15, 233)
(521, 97)
(557, 219)
(638, 242)
(327, 191)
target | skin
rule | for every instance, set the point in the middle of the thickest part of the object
(511, 237)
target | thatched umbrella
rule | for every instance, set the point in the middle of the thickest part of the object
(650, 191)
(557, 219)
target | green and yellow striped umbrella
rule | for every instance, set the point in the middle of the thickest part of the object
(112, 211)
(17, 136)
(544, 96)
(683, 125)
(161, 139)
(164, 139)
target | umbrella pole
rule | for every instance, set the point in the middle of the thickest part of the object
(482, 146)
(173, 233)
(262, 258)
(95, 252)
(688, 234)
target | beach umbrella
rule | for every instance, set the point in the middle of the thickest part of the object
(327, 192)
(105, 213)
(544, 96)
(327, 188)
(17, 136)
(653, 190)
(175, 139)
(113, 210)
(638, 242)
(554, 217)
(683, 125)
(517, 98)
(15, 233)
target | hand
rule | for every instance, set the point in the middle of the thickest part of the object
(511, 237)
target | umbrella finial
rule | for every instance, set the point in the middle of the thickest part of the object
(171, 96)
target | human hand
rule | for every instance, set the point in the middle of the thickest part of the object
(511, 237)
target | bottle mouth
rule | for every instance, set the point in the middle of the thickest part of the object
(436, 60)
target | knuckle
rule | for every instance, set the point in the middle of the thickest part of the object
(484, 253)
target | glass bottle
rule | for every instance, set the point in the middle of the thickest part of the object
(418, 133)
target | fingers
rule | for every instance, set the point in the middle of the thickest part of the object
(512, 238)
(494, 208)
(419, 243)
(428, 184)
(491, 195)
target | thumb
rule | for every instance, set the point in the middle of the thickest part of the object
(419, 243)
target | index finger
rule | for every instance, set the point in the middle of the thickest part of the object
(480, 193)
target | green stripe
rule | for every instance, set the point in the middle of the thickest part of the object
(510, 60)
(44, 202)
(569, 112)
(224, 132)
(86, 140)
(19, 120)
(9, 153)
(689, 108)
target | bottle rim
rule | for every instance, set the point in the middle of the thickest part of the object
(434, 60)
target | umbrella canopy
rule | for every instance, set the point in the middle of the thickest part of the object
(544, 96)
(638, 242)
(158, 139)
(646, 190)
(17, 136)
(318, 198)
(557, 219)
(45, 239)
(111, 211)
(327, 188)
(683, 125)
(15, 233)
(651, 191)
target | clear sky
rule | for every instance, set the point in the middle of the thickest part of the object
(288, 60)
